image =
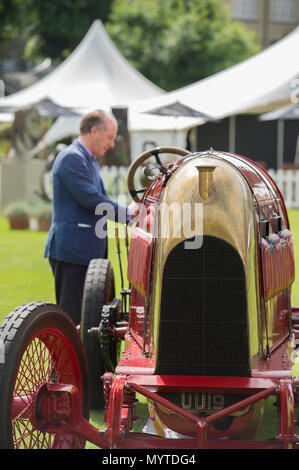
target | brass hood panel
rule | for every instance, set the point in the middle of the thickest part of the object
(226, 213)
(225, 210)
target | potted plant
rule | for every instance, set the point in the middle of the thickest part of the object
(44, 216)
(35, 204)
(18, 215)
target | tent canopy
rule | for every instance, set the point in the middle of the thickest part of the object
(288, 112)
(259, 84)
(94, 74)
(178, 109)
(97, 75)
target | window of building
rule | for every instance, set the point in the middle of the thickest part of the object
(244, 9)
(283, 11)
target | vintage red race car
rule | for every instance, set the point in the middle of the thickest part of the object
(207, 326)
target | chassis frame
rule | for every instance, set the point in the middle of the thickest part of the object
(121, 415)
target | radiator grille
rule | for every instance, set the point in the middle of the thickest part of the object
(203, 318)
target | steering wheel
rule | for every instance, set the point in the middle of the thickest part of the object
(142, 158)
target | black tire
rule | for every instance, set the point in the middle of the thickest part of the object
(99, 290)
(38, 344)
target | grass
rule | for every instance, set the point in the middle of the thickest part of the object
(26, 276)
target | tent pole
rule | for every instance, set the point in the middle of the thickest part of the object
(232, 134)
(280, 142)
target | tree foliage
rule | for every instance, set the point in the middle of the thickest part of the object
(62, 25)
(48, 29)
(177, 42)
(172, 42)
(17, 20)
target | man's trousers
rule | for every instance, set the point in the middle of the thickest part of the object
(69, 287)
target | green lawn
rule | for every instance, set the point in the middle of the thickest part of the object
(26, 276)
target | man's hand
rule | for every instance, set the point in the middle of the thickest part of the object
(133, 209)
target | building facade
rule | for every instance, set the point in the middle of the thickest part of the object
(270, 19)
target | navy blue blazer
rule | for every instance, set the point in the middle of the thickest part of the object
(77, 191)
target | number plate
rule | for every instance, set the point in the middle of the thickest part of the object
(202, 401)
(205, 402)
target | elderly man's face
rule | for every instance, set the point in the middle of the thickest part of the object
(103, 140)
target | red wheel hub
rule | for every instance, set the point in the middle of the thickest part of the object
(48, 359)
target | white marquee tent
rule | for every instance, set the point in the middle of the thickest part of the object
(95, 72)
(264, 82)
(96, 75)
(259, 84)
